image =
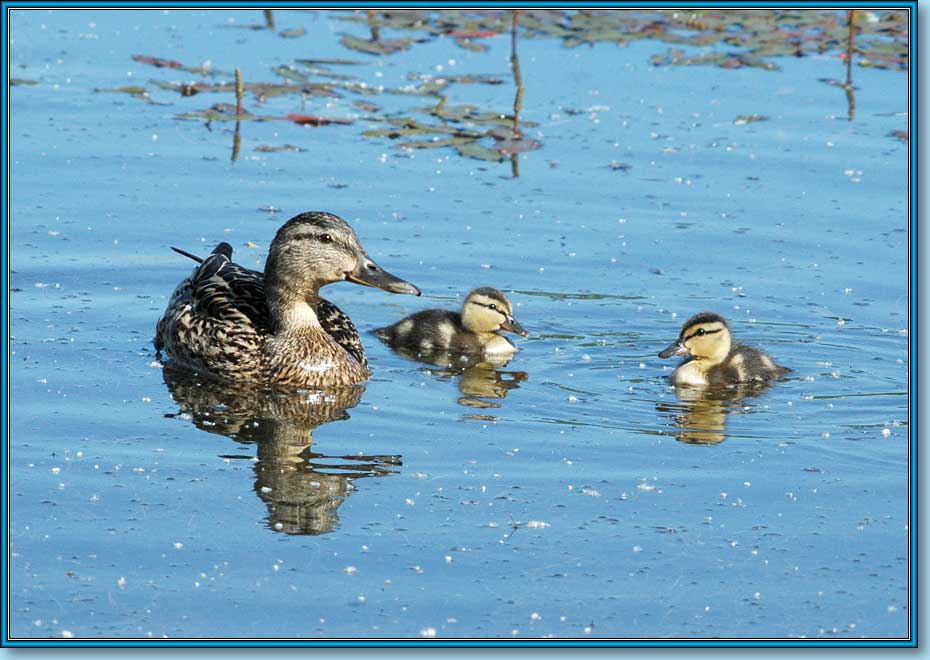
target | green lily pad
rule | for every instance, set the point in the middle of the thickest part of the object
(437, 143)
(292, 33)
(218, 112)
(380, 47)
(479, 152)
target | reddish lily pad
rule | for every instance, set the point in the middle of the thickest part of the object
(314, 120)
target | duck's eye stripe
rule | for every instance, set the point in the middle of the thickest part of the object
(705, 333)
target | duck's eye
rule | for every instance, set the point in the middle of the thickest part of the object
(325, 238)
(700, 332)
(492, 306)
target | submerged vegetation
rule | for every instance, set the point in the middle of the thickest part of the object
(724, 38)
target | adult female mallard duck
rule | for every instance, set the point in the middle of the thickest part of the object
(714, 359)
(485, 312)
(273, 327)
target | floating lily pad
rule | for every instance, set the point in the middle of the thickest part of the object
(268, 148)
(328, 61)
(163, 63)
(134, 91)
(676, 57)
(219, 112)
(314, 120)
(379, 47)
(480, 152)
(749, 119)
(437, 143)
(515, 145)
(159, 62)
(366, 106)
(292, 33)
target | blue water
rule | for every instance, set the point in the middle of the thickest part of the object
(574, 494)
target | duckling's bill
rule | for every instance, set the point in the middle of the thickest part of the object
(511, 325)
(368, 273)
(675, 348)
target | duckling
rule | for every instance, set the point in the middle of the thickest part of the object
(715, 359)
(485, 312)
(273, 327)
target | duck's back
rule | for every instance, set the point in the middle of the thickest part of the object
(431, 330)
(746, 364)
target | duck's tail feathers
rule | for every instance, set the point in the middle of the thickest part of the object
(224, 249)
(188, 254)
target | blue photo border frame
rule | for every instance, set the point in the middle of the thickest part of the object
(913, 334)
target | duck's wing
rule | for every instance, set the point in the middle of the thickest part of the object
(225, 291)
(339, 326)
(216, 318)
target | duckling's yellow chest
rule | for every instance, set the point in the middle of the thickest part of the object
(689, 374)
(498, 346)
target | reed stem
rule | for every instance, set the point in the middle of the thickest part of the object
(515, 64)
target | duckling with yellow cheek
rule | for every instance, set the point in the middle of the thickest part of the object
(714, 359)
(474, 331)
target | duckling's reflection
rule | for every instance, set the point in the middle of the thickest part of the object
(481, 379)
(701, 413)
(301, 488)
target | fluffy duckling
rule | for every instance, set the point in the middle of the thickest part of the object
(485, 312)
(273, 328)
(714, 359)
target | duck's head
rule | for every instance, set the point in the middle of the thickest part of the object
(487, 310)
(316, 248)
(705, 336)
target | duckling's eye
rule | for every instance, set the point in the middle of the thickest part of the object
(700, 332)
(492, 306)
(325, 238)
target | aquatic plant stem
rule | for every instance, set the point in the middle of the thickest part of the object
(238, 92)
(237, 139)
(851, 17)
(850, 48)
(515, 64)
(373, 25)
(269, 19)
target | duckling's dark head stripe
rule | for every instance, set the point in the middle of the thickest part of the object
(494, 307)
(699, 333)
(488, 291)
(706, 317)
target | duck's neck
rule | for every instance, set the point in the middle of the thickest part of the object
(291, 312)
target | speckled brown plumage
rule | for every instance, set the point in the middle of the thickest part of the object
(241, 325)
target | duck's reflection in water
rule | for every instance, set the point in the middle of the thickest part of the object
(701, 413)
(481, 380)
(301, 488)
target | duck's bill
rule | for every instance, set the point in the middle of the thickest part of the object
(511, 325)
(368, 273)
(676, 348)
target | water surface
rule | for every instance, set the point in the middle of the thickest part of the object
(570, 493)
